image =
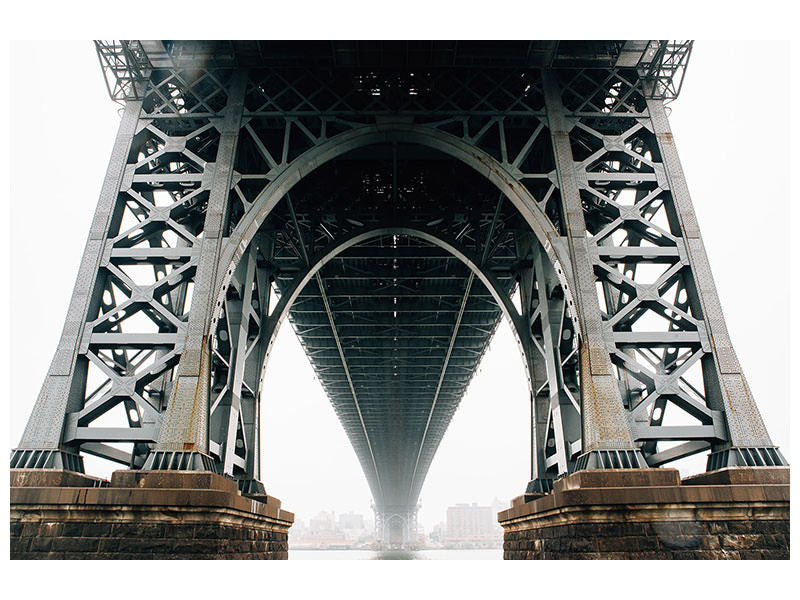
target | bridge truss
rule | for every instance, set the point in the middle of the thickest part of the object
(390, 199)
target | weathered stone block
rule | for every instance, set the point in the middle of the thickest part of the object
(39, 544)
(740, 527)
(52, 478)
(668, 533)
(98, 530)
(74, 544)
(187, 547)
(709, 542)
(717, 527)
(207, 532)
(702, 519)
(180, 532)
(143, 522)
(648, 543)
(618, 544)
(741, 475)
(72, 529)
(582, 544)
(108, 545)
(30, 530)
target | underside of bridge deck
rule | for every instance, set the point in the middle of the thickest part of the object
(394, 325)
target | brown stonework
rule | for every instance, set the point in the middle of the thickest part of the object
(142, 515)
(737, 513)
(53, 478)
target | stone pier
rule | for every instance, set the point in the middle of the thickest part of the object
(733, 513)
(142, 515)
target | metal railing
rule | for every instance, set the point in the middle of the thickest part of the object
(125, 66)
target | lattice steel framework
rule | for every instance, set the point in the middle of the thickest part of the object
(390, 199)
(396, 526)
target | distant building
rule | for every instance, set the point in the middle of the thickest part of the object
(324, 521)
(351, 521)
(438, 532)
(497, 506)
(325, 530)
(472, 525)
(298, 527)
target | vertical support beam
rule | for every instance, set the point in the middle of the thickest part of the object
(239, 359)
(749, 443)
(607, 439)
(537, 369)
(185, 425)
(551, 312)
(41, 444)
(239, 344)
(254, 367)
(555, 426)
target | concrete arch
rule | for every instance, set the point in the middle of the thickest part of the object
(234, 247)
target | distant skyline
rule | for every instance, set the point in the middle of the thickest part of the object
(62, 131)
(369, 516)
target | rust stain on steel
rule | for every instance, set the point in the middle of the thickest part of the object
(201, 375)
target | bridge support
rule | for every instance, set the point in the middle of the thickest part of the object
(740, 512)
(142, 515)
(396, 527)
(239, 173)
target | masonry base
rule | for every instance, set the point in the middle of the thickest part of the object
(735, 513)
(142, 515)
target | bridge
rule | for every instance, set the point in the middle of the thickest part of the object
(393, 201)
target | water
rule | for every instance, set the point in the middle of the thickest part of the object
(438, 554)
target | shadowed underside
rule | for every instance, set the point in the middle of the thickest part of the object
(395, 325)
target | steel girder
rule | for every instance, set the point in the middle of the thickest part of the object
(239, 348)
(126, 331)
(616, 298)
(681, 385)
(126, 68)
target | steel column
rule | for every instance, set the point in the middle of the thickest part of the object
(41, 445)
(605, 424)
(748, 442)
(184, 430)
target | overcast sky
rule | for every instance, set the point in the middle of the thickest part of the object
(735, 156)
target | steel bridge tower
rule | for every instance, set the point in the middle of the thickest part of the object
(389, 199)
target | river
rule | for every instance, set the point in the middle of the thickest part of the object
(438, 554)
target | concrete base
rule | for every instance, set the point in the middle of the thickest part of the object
(740, 512)
(142, 515)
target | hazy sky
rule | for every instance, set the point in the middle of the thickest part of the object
(735, 156)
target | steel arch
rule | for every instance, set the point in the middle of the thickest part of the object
(565, 448)
(388, 132)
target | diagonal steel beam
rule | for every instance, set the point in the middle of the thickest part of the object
(453, 337)
(349, 379)
(329, 314)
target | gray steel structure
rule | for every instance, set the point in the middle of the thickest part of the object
(396, 526)
(390, 198)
